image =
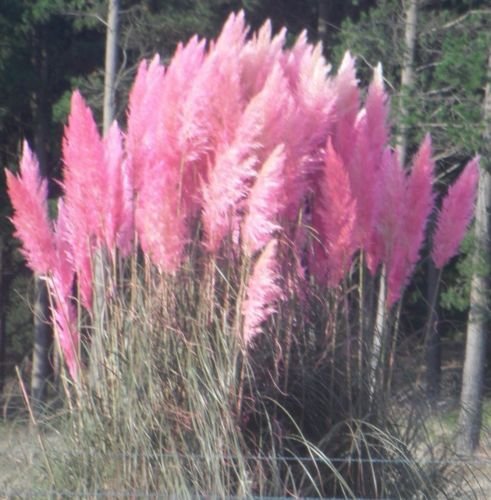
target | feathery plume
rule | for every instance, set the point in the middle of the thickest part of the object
(263, 292)
(116, 211)
(265, 203)
(28, 194)
(371, 133)
(144, 100)
(408, 236)
(85, 178)
(419, 200)
(390, 224)
(345, 87)
(334, 217)
(258, 56)
(455, 215)
(84, 182)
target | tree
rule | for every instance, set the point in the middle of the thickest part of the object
(475, 353)
(111, 64)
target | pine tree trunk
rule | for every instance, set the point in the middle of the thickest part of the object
(472, 383)
(42, 342)
(111, 58)
(407, 74)
(42, 329)
(433, 350)
(97, 342)
(407, 81)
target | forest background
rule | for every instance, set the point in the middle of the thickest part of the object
(50, 47)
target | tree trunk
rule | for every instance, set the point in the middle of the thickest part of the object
(407, 74)
(381, 330)
(42, 329)
(97, 358)
(111, 58)
(472, 383)
(433, 350)
(42, 342)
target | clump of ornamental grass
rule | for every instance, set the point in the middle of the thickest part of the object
(212, 272)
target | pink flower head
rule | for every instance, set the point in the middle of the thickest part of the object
(345, 87)
(144, 101)
(117, 214)
(265, 203)
(419, 200)
(263, 292)
(416, 204)
(28, 194)
(334, 217)
(258, 56)
(455, 215)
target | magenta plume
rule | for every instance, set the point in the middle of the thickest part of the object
(28, 194)
(455, 215)
(117, 211)
(258, 56)
(263, 292)
(409, 234)
(345, 87)
(84, 174)
(334, 218)
(390, 226)
(144, 96)
(371, 132)
(420, 202)
(85, 183)
(265, 203)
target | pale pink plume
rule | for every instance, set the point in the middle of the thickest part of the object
(169, 179)
(175, 144)
(85, 183)
(144, 101)
(211, 111)
(420, 201)
(28, 194)
(161, 228)
(263, 292)
(311, 124)
(409, 236)
(258, 56)
(455, 215)
(333, 219)
(371, 136)
(260, 128)
(265, 203)
(63, 271)
(345, 87)
(228, 186)
(377, 109)
(388, 242)
(291, 59)
(375, 247)
(117, 211)
(85, 178)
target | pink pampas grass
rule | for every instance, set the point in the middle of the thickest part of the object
(455, 215)
(28, 194)
(263, 292)
(334, 217)
(265, 203)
